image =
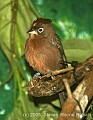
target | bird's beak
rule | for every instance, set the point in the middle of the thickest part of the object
(33, 32)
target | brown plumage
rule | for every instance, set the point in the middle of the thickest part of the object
(43, 49)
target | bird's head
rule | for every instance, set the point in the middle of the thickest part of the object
(41, 28)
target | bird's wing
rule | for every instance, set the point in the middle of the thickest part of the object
(57, 42)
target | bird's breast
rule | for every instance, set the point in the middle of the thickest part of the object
(43, 58)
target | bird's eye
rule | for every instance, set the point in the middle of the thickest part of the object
(40, 30)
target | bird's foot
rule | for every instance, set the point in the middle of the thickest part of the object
(74, 64)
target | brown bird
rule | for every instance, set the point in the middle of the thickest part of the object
(43, 49)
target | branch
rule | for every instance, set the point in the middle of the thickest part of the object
(46, 86)
(73, 110)
(13, 24)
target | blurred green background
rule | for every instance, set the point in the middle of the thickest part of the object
(72, 21)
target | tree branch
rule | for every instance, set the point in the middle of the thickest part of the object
(46, 86)
(83, 94)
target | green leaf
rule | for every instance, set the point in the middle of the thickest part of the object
(25, 16)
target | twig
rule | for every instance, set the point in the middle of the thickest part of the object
(67, 88)
(56, 72)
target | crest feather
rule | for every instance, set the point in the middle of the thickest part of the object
(42, 21)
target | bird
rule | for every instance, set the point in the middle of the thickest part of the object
(43, 49)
